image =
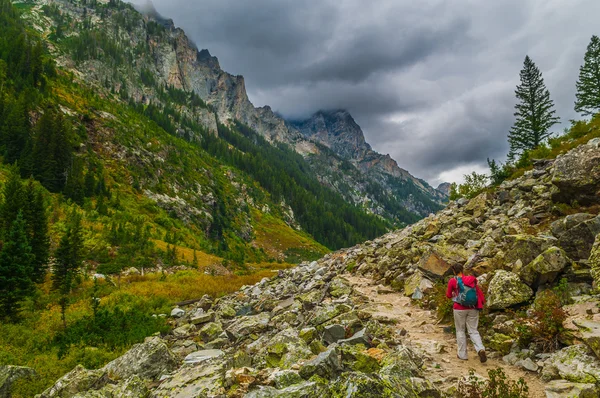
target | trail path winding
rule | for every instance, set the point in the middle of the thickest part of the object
(426, 336)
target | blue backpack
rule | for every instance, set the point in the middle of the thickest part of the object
(467, 296)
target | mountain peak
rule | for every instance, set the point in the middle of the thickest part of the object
(336, 129)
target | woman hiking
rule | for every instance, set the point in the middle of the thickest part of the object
(468, 301)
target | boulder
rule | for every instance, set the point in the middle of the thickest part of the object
(524, 248)
(249, 324)
(203, 380)
(200, 317)
(339, 287)
(527, 364)
(478, 205)
(566, 389)
(202, 356)
(210, 331)
(177, 312)
(594, 261)
(360, 337)
(78, 380)
(11, 374)
(590, 334)
(306, 389)
(434, 266)
(577, 175)
(573, 363)
(505, 290)
(356, 358)
(333, 333)
(576, 238)
(416, 281)
(148, 360)
(545, 267)
(328, 312)
(326, 365)
(501, 343)
(134, 387)
(285, 349)
(285, 378)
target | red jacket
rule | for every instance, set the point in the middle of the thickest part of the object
(470, 281)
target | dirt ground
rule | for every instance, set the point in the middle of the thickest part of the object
(424, 334)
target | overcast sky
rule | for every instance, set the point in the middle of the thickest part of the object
(431, 82)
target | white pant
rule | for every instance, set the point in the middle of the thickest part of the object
(468, 319)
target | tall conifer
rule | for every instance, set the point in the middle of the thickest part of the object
(534, 112)
(16, 266)
(588, 84)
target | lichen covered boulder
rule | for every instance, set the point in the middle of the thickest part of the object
(577, 175)
(573, 363)
(76, 381)
(148, 360)
(506, 290)
(545, 267)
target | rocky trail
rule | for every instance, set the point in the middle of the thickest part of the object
(425, 335)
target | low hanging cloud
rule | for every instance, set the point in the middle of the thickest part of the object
(430, 82)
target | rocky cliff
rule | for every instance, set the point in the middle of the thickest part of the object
(142, 56)
(309, 331)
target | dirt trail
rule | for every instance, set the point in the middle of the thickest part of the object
(426, 336)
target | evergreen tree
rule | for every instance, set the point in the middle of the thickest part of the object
(15, 269)
(534, 111)
(68, 260)
(588, 84)
(36, 219)
(14, 198)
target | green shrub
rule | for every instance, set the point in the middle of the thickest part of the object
(112, 328)
(474, 184)
(497, 386)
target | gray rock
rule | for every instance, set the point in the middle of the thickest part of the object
(333, 333)
(148, 360)
(246, 325)
(572, 363)
(590, 334)
(576, 238)
(360, 337)
(527, 364)
(201, 317)
(566, 389)
(326, 364)
(177, 312)
(577, 176)
(202, 356)
(306, 389)
(76, 381)
(11, 374)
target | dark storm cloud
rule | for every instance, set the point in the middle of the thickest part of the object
(431, 82)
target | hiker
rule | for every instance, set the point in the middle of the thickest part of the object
(468, 301)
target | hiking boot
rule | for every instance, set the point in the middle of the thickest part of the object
(482, 356)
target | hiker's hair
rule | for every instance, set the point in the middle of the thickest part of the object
(457, 268)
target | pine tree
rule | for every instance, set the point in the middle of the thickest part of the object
(36, 219)
(14, 198)
(68, 261)
(15, 269)
(534, 112)
(588, 84)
